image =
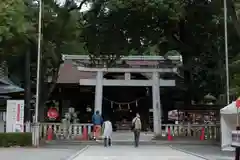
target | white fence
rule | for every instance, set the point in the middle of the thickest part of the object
(60, 131)
(75, 131)
(212, 131)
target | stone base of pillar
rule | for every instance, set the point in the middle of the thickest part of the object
(35, 134)
(28, 126)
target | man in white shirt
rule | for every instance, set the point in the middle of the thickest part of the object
(137, 126)
(107, 132)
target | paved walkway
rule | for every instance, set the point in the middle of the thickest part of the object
(132, 153)
(144, 136)
(207, 151)
(36, 153)
(127, 136)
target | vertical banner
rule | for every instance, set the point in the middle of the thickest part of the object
(15, 116)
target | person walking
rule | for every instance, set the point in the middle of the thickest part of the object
(136, 126)
(97, 121)
(107, 132)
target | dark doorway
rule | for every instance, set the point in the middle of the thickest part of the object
(121, 104)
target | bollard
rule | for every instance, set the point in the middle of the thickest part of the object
(169, 135)
(49, 134)
(94, 132)
(85, 133)
(202, 136)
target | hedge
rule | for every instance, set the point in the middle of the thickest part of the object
(15, 139)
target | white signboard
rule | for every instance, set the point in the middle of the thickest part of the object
(15, 116)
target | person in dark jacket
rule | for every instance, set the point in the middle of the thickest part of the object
(97, 121)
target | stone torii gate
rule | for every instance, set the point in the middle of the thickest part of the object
(155, 82)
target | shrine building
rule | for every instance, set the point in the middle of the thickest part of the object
(149, 85)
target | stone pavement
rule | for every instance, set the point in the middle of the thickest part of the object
(128, 136)
(207, 151)
(132, 153)
(37, 153)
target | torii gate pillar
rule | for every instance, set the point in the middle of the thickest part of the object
(98, 92)
(157, 124)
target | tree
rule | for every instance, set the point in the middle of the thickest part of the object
(233, 12)
(200, 41)
(192, 28)
(62, 26)
(115, 28)
(61, 29)
(15, 28)
(233, 18)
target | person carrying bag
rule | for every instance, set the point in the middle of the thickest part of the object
(136, 127)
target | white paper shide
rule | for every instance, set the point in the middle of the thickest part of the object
(15, 116)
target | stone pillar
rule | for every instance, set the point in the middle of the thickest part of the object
(127, 76)
(157, 126)
(98, 92)
(35, 134)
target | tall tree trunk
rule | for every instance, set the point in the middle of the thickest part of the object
(27, 91)
(186, 59)
(42, 92)
(233, 14)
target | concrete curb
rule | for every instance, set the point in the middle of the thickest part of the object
(190, 153)
(78, 153)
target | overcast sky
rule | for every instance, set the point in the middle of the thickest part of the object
(84, 7)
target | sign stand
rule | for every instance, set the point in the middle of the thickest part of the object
(15, 116)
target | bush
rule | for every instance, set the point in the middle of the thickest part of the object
(15, 139)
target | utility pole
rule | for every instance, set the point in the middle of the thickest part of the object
(226, 51)
(36, 124)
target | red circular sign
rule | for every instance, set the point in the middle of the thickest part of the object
(52, 113)
(238, 103)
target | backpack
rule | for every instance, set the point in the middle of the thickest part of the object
(133, 124)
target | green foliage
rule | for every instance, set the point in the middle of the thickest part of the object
(157, 27)
(235, 76)
(201, 43)
(113, 28)
(15, 139)
(61, 34)
(234, 66)
(13, 21)
(117, 27)
(15, 27)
